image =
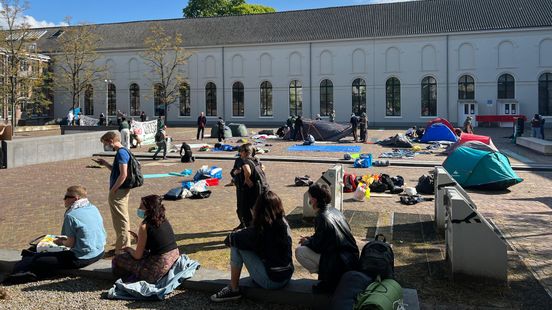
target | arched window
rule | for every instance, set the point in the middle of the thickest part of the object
(429, 96)
(359, 96)
(89, 100)
(158, 104)
(211, 99)
(466, 88)
(184, 98)
(295, 98)
(134, 93)
(111, 99)
(506, 87)
(237, 99)
(326, 97)
(393, 97)
(545, 94)
(266, 98)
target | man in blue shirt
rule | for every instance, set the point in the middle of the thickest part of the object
(82, 235)
(118, 197)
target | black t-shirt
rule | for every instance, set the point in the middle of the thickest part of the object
(160, 239)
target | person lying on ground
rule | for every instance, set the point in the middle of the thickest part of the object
(264, 248)
(82, 234)
(156, 250)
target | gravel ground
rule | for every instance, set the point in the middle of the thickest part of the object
(84, 293)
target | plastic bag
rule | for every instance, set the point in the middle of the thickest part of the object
(360, 192)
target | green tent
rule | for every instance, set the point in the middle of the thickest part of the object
(481, 169)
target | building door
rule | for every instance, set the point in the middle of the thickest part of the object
(467, 109)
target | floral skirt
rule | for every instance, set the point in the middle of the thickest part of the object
(150, 268)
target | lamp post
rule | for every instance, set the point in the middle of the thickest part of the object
(107, 82)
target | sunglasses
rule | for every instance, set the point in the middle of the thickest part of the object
(67, 197)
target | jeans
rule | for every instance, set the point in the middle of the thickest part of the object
(536, 132)
(48, 263)
(308, 258)
(255, 267)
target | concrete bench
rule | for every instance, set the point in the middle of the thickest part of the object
(297, 292)
(538, 145)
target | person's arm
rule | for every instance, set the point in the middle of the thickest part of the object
(68, 232)
(247, 175)
(140, 245)
(320, 239)
(103, 162)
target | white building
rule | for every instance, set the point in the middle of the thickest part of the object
(402, 63)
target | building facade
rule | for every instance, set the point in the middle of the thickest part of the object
(398, 76)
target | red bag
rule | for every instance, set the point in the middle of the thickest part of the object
(349, 183)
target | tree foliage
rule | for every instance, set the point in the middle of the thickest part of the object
(76, 63)
(165, 56)
(205, 8)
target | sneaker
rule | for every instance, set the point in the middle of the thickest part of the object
(20, 278)
(226, 294)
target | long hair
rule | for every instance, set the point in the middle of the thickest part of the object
(322, 195)
(155, 211)
(268, 210)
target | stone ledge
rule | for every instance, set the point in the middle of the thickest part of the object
(297, 292)
(538, 145)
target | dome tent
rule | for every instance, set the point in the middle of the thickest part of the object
(480, 169)
(438, 132)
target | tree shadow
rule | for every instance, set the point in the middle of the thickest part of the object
(72, 285)
(544, 200)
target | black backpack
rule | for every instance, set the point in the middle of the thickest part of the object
(426, 185)
(258, 176)
(187, 156)
(377, 259)
(174, 194)
(135, 178)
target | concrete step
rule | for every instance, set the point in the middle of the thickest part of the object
(297, 292)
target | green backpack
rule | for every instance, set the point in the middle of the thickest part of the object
(380, 295)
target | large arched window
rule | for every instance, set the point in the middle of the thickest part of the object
(237, 99)
(158, 104)
(295, 98)
(326, 97)
(211, 99)
(134, 93)
(184, 99)
(266, 98)
(466, 88)
(429, 96)
(545, 94)
(393, 97)
(506, 87)
(111, 99)
(89, 100)
(359, 96)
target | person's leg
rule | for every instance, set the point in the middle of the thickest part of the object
(202, 133)
(308, 258)
(198, 131)
(165, 150)
(125, 266)
(257, 270)
(118, 204)
(232, 291)
(159, 146)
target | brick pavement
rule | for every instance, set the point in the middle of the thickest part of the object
(31, 204)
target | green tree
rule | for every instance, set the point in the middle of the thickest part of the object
(205, 8)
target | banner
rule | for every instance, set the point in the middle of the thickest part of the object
(146, 131)
(88, 121)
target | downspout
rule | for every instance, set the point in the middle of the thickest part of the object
(447, 78)
(373, 83)
(223, 88)
(310, 78)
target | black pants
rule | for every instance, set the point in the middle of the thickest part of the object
(220, 135)
(44, 264)
(200, 130)
(246, 198)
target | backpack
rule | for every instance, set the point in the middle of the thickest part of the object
(188, 155)
(303, 181)
(377, 259)
(426, 185)
(135, 178)
(174, 194)
(258, 175)
(349, 183)
(385, 294)
(377, 187)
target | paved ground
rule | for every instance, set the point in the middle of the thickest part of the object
(31, 204)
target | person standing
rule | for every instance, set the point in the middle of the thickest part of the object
(161, 141)
(119, 117)
(160, 123)
(70, 118)
(354, 124)
(102, 120)
(118, 196)
(298, 133)
(201, 123)
(220, 127)
(143, 116)
(332, 116)
(124, 129)
(536, 126)
(468, 127)
(363, 127)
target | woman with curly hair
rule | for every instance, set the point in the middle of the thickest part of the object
(156, 250)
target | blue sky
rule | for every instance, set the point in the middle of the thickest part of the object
(52, 12)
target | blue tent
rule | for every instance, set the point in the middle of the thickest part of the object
(481, 169)
(438, 132)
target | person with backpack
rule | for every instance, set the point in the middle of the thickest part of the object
(118, 193)
(186, 154)
(220, 127)
(161, 141)
(264, 248)
(332, 250)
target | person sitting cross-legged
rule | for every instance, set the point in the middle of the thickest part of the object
(264, 248)
(82, 233)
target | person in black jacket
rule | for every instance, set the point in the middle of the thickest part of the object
(298, 129)
(332, 250)
(264, 248)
